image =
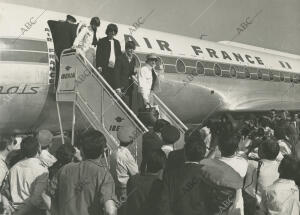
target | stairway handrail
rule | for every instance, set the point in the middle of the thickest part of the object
(165, 107)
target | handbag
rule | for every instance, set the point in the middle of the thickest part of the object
(148, 116)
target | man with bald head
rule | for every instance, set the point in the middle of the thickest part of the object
(44, 138)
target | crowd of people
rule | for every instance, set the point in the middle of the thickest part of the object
(248, 168)
(117, 68)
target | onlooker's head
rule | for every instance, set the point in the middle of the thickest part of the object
(195, 149)
(71, 19)
(294, 117)
(193, 135)
(268, 149)
(228, 144)
(95, 23)
(288, 168)
(151, 59)
(111, 30)
(7, 143)
(280, 133)
(44, 138)
(156, 161)
(159, 124)
(283, 115)
(126, 135)
(129, 47)
(170, 134)
(65, 153)
(93, 144)
(30, 147)
(273, 113)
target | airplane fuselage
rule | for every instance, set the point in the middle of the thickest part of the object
(200, 77)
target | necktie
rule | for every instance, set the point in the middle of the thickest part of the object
(154, 77)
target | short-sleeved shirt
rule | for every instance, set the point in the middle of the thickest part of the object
(28, 179)
(122, 166)
(3, 169)
(83, 188)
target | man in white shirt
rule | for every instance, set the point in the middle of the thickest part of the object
(44, 138)
(28, 179)
(229, 147)
(6, 146)
(87, 38)
(122, 163)
(282, 197)
(264, 175)
(146, 79)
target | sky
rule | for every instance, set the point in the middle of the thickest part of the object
(272, 24)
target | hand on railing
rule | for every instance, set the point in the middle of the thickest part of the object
(119, 92)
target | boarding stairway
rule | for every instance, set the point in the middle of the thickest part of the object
(81, 85)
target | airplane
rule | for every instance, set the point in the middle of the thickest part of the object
(200, 77)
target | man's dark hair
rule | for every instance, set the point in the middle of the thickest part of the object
(93, 144)
(192, 135)
(288, 168)
(71, 19)
(95, 21)
(30, 147)
(65, 153)
(269, 149)
(160, 124)
(195, 150)
(156, 161)
(228, 144)
(110, 28)
(130, 45)
(280, 133)
(5, 140)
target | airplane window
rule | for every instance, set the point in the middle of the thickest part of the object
(217, 70)
(200, 68)
(253, 73)
(271, 75)
(247, 73)
(296, 78)
(159, 64)
(281, 76)
(276, 75)
(233, 71)
(259, 74)
(180, 66)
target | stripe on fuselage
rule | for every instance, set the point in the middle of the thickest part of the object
(23, 44)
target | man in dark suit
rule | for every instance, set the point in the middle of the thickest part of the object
(177, 158)
(183, 188)
(152, 141)
(108, 50)
(124, 70)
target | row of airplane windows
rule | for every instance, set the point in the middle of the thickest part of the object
(208, 68)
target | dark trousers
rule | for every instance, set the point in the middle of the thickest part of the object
(108, 75)
(127, 97)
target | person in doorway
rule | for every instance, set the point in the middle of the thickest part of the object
(63, 34)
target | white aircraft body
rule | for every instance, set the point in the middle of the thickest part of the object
(200, 77)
